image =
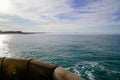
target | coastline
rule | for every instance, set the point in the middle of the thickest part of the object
(18, 33)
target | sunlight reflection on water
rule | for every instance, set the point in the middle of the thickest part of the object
(4, 49)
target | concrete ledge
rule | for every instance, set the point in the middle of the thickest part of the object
(25, 69)
(62, 74)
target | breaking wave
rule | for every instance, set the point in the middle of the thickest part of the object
(93, 71)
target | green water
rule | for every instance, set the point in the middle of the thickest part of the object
(94, 57)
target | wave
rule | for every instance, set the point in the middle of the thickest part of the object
(93, 71)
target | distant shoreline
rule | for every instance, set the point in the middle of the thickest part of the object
(20, 32)
(16, 32)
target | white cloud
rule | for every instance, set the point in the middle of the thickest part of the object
(3, 20)
(11, 27)
(40, 10)
(44, 12)
(100, 13)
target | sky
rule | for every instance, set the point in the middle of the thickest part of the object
(83, 16)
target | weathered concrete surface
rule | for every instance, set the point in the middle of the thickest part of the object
(62, 74)
(14, 69)
(24, 69)
(40, 70)
(1, 60)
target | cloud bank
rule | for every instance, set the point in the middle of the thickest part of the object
(60, 15)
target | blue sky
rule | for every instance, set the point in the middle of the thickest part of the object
(83, 16)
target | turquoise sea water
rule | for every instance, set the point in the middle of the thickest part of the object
(94, 57)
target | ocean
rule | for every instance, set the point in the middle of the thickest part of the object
(94, 57)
